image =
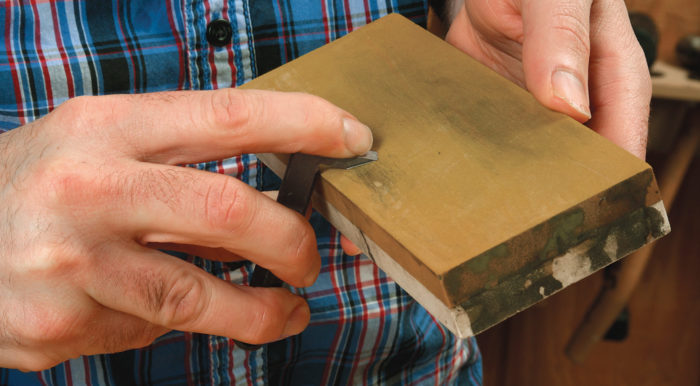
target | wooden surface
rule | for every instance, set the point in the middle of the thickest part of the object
(487, 199)
(663, 346)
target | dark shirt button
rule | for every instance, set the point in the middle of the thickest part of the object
(219, 32)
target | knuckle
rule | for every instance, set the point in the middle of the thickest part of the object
(235, 108)
(43, 326)
(76, 107)
(53, 254)
(323, 122)
(62, 181)
(78, 115)
(265, 322)
(65, 184)
(640, 71)
(575, 30)
(54, 258)
(634, 75)
(319, 113)
(229, 206)
(180, 304)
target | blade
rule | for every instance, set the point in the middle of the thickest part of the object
(349, 163)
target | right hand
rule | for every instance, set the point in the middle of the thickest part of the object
(91, 189)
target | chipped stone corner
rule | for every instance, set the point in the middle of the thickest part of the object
(576, 264)
(665, 227)
(462, 323)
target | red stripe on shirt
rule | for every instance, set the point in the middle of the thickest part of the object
(229, 51)
(13, 66)
(368, 16)
(348, 16)
(86, 368)
(42, 60)
(41, 378)
(246, 362)
(365, 316)
(438, 357)
(326, 30)
(69, 375)
(341, 310)
(380, 305)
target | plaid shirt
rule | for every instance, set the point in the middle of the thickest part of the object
(364, 329)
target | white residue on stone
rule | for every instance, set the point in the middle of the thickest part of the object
(573, 266)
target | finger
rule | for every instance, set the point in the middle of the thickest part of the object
(620, 81)
(349, 247)
(490, 32)
(273, 194)
(170, 292)
(556, 49)
(195, 126)
(176, 205)
(216, 254)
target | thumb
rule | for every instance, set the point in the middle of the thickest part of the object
(556, 49)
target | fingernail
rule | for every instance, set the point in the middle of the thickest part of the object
(358, 137)
(310, 279)
(297, 321)
(571, 90)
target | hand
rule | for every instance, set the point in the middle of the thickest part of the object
(90, 189)
(564, 51)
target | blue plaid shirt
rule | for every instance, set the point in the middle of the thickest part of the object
(364, 329)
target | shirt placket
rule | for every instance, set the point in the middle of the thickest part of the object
(222, 58)
(223, 65)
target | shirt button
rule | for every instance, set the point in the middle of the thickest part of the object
(219, 32)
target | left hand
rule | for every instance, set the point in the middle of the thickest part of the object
(578, 57)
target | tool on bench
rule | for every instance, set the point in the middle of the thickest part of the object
(295, 193)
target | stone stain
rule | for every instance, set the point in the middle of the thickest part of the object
(528, 286)
(481, 263)
(566, 233)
